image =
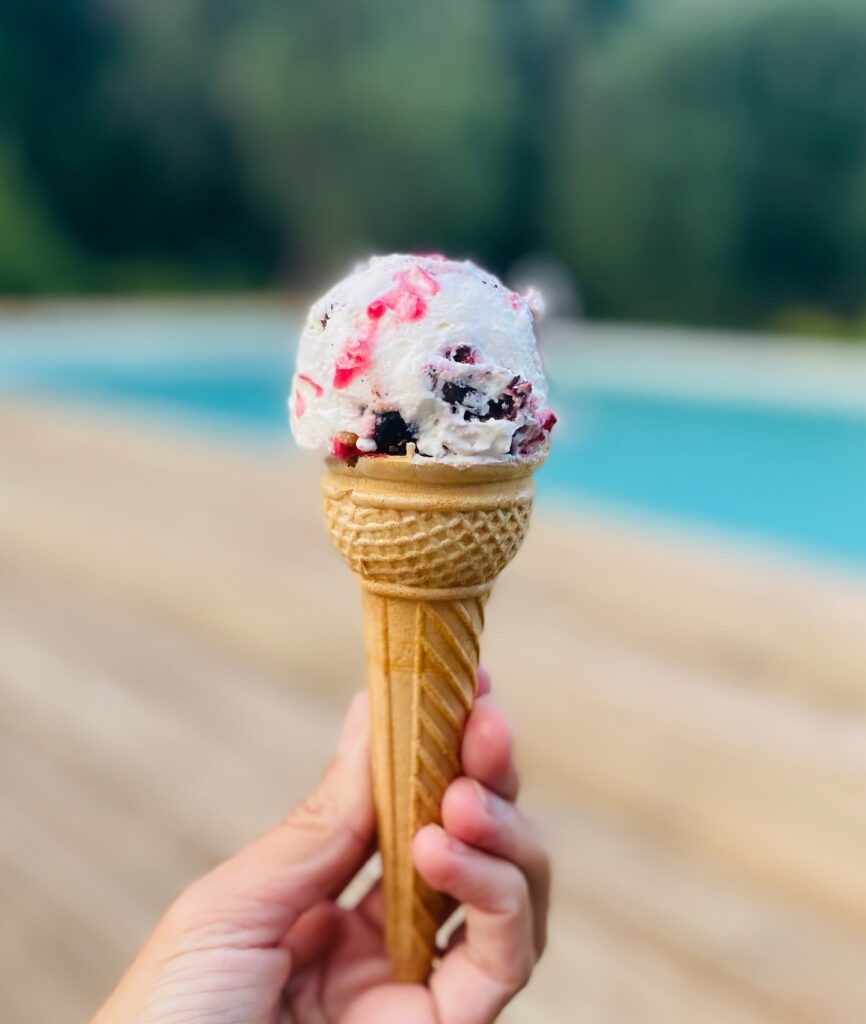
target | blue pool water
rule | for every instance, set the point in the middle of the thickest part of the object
(794, 476)
(798, 477)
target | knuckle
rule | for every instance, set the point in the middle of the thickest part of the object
(317, 811)
(519, 971)
(511, 970)
(191, 912)
(515, 896)
(184, 910)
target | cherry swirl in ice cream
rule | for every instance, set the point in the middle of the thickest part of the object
(423, 351)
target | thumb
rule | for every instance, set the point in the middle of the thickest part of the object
(257, 895)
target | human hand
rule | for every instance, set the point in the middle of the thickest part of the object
(260, 940)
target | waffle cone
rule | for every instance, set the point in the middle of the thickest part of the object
(427, 541)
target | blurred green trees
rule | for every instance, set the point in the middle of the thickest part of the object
(714, 164)
(690, 161)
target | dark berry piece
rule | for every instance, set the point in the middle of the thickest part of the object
(501, 408)
(511, 401)
(461, 354)
(392, 433)
(455, 394)
(324, 320)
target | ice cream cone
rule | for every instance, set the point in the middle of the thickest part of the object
(427, 542)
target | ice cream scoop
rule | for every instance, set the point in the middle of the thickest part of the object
(420, 378)
(422, 351)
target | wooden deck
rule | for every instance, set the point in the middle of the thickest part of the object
(692, 729)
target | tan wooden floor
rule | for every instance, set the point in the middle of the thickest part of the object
(691, 719)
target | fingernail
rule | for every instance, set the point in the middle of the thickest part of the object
(483, 796)
(454, 845)
(353, 723)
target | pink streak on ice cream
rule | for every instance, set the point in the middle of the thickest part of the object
(318, 390)
(546, 420)
(300, 401)
(406, 302)
(354, 359)
(422, 351)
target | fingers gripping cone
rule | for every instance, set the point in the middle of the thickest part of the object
(427, 543)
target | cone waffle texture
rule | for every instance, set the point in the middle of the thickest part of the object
(427, 543)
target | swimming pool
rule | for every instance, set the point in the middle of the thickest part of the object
(791, 473)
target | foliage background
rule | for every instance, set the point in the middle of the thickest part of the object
(686, 160)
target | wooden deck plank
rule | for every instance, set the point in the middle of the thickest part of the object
(792, 816)
(779, 958)
(692, 725)
(595, 973)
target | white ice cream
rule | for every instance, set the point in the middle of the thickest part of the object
(422, 350)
